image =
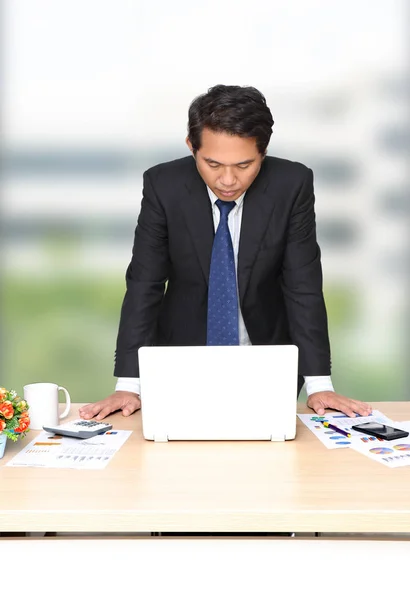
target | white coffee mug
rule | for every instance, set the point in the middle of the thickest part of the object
(42, 399)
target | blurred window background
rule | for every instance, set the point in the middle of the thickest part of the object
(96, 92)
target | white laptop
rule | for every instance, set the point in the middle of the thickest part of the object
(218, 392)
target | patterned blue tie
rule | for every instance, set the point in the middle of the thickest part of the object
(222, 292)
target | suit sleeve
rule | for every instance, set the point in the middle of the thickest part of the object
(302, 283)
(145, 284)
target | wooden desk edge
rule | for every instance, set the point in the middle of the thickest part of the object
(244, 521)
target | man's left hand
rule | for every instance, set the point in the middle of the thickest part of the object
(320, 401)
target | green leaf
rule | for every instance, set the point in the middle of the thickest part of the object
(11, 435)
(12, 423)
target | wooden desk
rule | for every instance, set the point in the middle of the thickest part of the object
(295, 486)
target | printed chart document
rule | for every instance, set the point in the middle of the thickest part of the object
(391, 454)
(330, 438)
(55, 451)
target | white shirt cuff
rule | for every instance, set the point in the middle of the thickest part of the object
(128, 384)
(319, 383)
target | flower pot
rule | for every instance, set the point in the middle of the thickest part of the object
(3, 440)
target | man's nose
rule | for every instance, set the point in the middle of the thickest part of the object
(228, 178)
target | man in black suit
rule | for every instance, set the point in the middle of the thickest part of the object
(271, 247)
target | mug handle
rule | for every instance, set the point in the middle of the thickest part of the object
(67, 400)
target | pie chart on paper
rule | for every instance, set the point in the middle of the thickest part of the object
(381, 450)
(402, 447)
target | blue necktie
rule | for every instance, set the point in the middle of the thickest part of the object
(222, 292)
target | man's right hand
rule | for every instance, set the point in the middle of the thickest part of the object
(127, 402)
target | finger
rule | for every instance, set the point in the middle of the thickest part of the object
(89, 411)
(357, 403)
(97, 411)
(349, 412)
(317, 405)
(341, 404)
(353, 408)
(101, 409)
(83, 409)
(131, 407)
(345, 407)
(335, 402)
(364, 410)
(104, 412)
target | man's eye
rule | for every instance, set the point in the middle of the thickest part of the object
(213, 166)
(243, 166)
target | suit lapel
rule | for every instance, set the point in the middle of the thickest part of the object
(257, 211)
(197, 209)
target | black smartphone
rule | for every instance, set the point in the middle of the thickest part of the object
(385, 432)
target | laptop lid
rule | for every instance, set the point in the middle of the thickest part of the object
(219, 392)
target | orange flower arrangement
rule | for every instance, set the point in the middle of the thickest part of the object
(14, 417)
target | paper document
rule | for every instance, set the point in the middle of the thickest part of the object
(332, 439)
(391, 454)
(54, 451)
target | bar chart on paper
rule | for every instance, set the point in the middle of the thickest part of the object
(51, 451)
(332, 439)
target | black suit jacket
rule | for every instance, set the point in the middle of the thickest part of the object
(279, 269)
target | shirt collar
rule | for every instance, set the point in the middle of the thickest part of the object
(213, 197)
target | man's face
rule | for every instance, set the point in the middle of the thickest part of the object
(227, 163)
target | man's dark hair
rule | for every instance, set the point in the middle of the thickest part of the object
(231, 109)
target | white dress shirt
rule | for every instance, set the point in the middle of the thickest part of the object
(320, 383)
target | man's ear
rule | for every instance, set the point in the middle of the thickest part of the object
(188, 143)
